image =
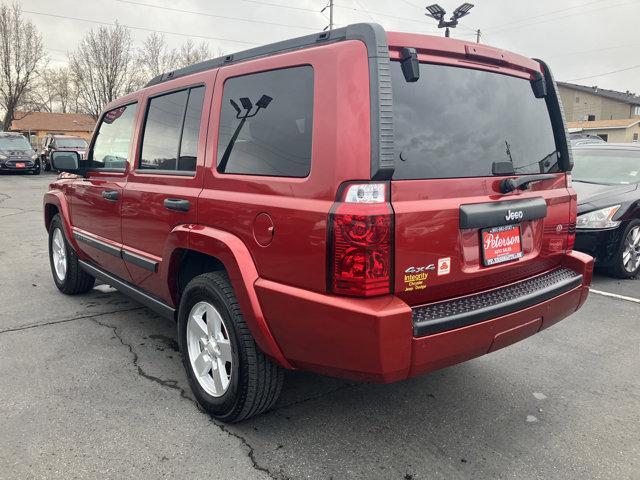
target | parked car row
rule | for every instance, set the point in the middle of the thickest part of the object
(18, 155)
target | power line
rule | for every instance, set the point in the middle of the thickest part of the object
(553, 19)
(603, 74)
(78, 19)
(371, 12)
(193, 12)
(280, 5)
(595, 50)
(544, 14)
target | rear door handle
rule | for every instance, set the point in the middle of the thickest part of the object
(177, 204)
(110, 194)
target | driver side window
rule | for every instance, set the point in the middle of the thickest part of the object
(113, 140)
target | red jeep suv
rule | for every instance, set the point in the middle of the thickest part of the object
(356, 203)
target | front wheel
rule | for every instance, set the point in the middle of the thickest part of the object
(67, 274)
(627, 260)
(228, 374)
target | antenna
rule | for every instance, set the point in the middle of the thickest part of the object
(436, 12)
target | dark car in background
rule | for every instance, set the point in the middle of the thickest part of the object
(606, 178)
(54, 143)
(17, 154)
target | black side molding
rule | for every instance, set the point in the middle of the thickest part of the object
(126, 255)
(136, 294)
(447, 315)
(140, 261)
(495, 214)
(100, 245)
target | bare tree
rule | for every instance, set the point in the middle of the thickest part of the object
(191, 53)
(104, 67)
(64, 89)
(21, 56)
(156, 57)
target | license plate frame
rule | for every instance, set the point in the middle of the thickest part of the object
(511, 251)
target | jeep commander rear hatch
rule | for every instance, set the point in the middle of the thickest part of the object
(473, 118)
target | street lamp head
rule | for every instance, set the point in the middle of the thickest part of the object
(235, 106)
(462, 10)
(246, 103)
(264, 101)
(436, 11)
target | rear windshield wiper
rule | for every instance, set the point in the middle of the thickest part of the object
(510, 184)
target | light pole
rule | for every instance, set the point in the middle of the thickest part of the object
(437, 12)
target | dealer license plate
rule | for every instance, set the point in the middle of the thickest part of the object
(20, 165)
(501, 244)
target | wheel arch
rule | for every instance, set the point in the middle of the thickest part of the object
(210, 249)
(53, 203)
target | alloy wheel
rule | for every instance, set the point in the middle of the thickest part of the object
(59, 253)
(631, 252)
(209, 349)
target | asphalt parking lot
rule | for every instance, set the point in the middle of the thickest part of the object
(93, 387)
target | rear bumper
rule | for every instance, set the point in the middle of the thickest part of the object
(374, 340)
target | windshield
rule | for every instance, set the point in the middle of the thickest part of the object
(607, 167)
(71, 143)
(457, 122)
(14, 143)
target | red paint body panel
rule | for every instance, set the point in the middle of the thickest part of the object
(297, 206)
(371, 339)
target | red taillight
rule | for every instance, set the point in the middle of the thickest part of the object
(360, 239)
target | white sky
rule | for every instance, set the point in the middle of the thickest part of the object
(578, 38)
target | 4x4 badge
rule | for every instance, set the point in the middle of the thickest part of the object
(425, 268)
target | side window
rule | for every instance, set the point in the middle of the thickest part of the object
(171, 131)
(266, 123)
(111, 147)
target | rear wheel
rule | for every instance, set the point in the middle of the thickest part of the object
(627, 261)
(67, 274)
(229, 375)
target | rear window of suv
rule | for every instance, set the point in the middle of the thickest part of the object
(456, 122)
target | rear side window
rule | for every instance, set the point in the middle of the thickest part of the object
(456, 122)
(113, 140)
(266, 123)
(171, 132)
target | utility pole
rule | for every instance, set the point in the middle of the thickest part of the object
(330, 7)
(478, 35)
(330, 14)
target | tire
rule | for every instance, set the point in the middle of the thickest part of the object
(253, 381)
(629, 244)
(36, 171)
(71, 279)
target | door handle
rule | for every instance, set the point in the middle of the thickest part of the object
(177, 204)
(110, 195)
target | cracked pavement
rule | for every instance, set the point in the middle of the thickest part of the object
(93, 387)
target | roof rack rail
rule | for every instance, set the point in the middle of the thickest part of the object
(375, 40)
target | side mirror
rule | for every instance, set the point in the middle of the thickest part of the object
(66, 161)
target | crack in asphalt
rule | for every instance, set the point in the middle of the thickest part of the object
(173, 385)
(66, 320)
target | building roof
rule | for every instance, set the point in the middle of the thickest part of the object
(603, 124)
(625, 97)
(52, 122)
